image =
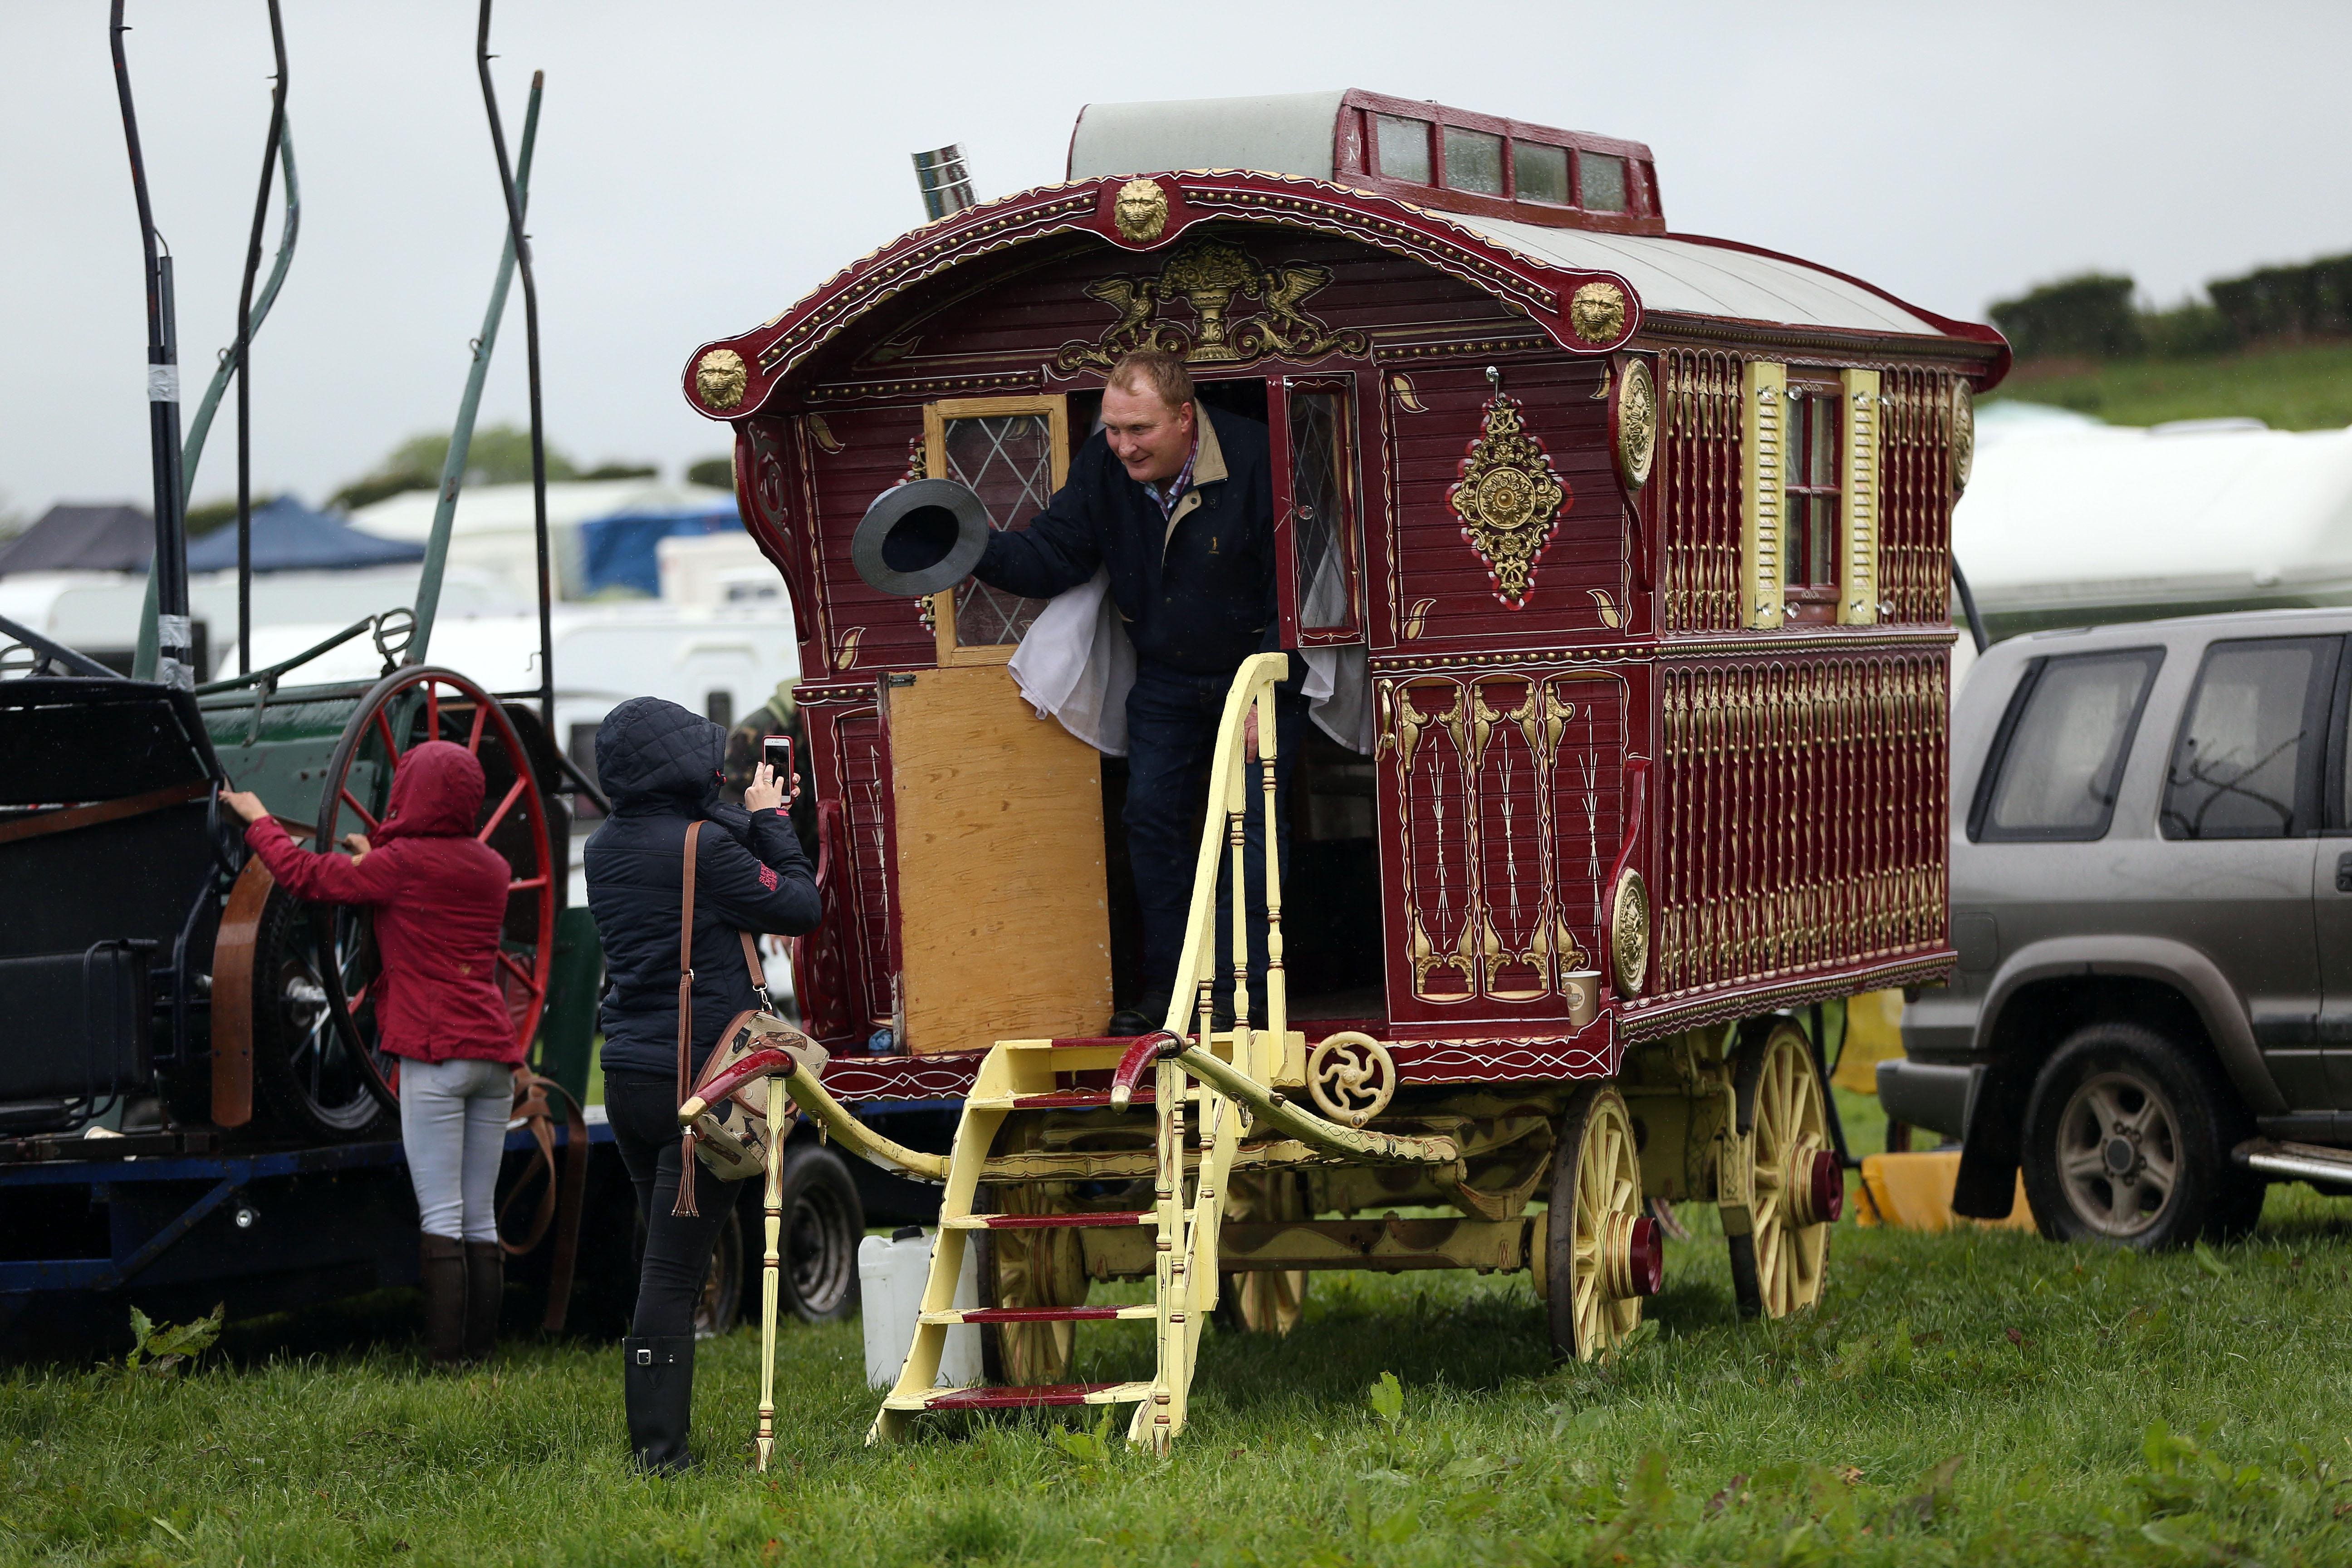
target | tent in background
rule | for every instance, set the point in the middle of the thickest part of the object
(290, 537)
(623, 550)
(492, 529)
(120, 538)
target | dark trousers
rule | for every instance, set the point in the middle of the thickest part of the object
(1171, 732)
(643, 1113)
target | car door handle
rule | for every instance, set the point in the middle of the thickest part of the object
(2344, 872)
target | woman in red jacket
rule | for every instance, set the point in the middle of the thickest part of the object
(440, 897)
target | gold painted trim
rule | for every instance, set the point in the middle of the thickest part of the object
(1963, 436)
(1859, 486)
(1635, 411)
(1763, 493)
(1629, 932)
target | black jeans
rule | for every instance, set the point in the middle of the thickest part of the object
(1171, 732)
(644, 1114)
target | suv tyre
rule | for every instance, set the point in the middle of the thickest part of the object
(2127, 1140)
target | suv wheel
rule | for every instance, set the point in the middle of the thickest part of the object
(2127, 1140)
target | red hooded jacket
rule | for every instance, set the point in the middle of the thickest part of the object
(439, 895)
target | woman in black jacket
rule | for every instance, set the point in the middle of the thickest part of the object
(660, 765)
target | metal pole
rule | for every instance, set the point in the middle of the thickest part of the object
(1968, 606)
(244, 353)
(531, 346)
(172, 663)
(461, 434)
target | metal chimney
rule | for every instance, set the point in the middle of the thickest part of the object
(946, 183)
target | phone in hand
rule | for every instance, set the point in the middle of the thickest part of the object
(776, 751)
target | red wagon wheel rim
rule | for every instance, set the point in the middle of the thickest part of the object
(425, 703)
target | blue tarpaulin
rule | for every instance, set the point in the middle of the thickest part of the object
(621, 550)
(290, 537)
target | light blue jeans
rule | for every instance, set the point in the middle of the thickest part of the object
(453, 1123)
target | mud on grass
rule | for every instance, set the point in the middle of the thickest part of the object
(1972, 1398)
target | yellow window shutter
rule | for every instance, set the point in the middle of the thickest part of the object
(1858, 558)
(1764, 391)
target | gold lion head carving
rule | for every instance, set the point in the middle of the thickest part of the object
(720, 379)
(1597, 312)
(1142, 210)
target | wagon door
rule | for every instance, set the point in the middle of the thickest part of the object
(997, 829)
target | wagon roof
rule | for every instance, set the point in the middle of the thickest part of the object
(1535, 270)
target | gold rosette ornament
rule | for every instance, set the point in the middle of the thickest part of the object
(1509, 500)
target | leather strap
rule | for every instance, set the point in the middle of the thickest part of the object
(561, 1202)
(685, 1207)
(75, 816)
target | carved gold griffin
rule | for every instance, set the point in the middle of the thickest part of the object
(1241, 310)
(1509, 500)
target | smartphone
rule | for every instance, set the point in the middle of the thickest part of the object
(776, 751)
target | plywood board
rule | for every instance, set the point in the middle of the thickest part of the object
(1004, 927)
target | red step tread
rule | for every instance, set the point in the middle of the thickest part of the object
(1061, 1221)
(1016, 1398)
(1074, 1100)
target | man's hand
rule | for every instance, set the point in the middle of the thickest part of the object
(358, 845)
(765, 794)
(245, 803)
(1249, 733)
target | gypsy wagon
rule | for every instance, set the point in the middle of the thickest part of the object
(1634, 546)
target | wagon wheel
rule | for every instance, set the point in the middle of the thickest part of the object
(1780, 1238)
(410, 706)
(313, 1079)
(1031, 1268)
(1264, 1301)
(1602, 1254)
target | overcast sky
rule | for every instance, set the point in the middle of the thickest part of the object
(703, 163)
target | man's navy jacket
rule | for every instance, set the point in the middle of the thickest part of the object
(1197, 590)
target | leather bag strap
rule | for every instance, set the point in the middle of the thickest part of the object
(685, 1207)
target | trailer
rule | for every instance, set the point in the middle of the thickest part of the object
(1621, 557)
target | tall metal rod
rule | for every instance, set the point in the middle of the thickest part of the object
(174, 658)
(1969, 607)
(200, 423)
(245, 355)
(530, 345)
(461, 434)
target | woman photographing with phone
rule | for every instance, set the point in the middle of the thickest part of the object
(661, 765)
(440, 896)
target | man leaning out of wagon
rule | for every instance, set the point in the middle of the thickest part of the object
(439, 898)
(1174, 501)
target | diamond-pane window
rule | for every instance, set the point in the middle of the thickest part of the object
(1008, 461)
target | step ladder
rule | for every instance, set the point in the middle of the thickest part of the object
(1206, 1090)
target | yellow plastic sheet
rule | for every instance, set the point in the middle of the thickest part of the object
(1914, 1192)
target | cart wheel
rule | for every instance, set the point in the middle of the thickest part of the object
(1602, 1253)
(410, 706)
(314, 1080)
(823, 1224)
(1264, 1301)
(718, 1307)
(1031, 1268)
(1779, 1239)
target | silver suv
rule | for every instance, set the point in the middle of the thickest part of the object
(2152, 861)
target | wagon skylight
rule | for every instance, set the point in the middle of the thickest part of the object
(1457, 160)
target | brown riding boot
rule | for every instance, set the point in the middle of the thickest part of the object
(444, 1284)
(485, 1289)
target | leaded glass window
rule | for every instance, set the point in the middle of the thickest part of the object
(1008, 461)
(1322, 530)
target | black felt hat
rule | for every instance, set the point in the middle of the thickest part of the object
(920, 537)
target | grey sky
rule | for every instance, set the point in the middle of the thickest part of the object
(703, 163)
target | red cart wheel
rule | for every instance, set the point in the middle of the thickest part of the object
(406, 708)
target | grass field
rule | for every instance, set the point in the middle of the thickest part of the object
(2304, 387)
(1968, 1397)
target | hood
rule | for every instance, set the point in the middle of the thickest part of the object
(650, 746)
(436, 792)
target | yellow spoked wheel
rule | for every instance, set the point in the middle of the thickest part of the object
(1779, 1238)
(1602, 1255)
(1031, 1268)
(1264, 1301)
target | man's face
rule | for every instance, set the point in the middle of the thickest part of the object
(1149, 438)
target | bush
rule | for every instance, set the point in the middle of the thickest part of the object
(2089, 317)
(719, 473)
(2313, 299)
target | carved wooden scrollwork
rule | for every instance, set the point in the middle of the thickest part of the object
(1509, 500)
(1242, 311)
(1351, 1077)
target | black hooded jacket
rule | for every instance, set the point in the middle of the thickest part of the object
(660, 766)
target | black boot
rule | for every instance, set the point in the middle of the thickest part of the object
(443, 1280)
(657, 1383)
(1142, 1018)
(485, 1289)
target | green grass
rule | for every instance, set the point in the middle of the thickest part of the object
(1968, 1397)
(2304, 387)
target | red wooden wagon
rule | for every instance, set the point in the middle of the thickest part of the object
(1634, 546)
